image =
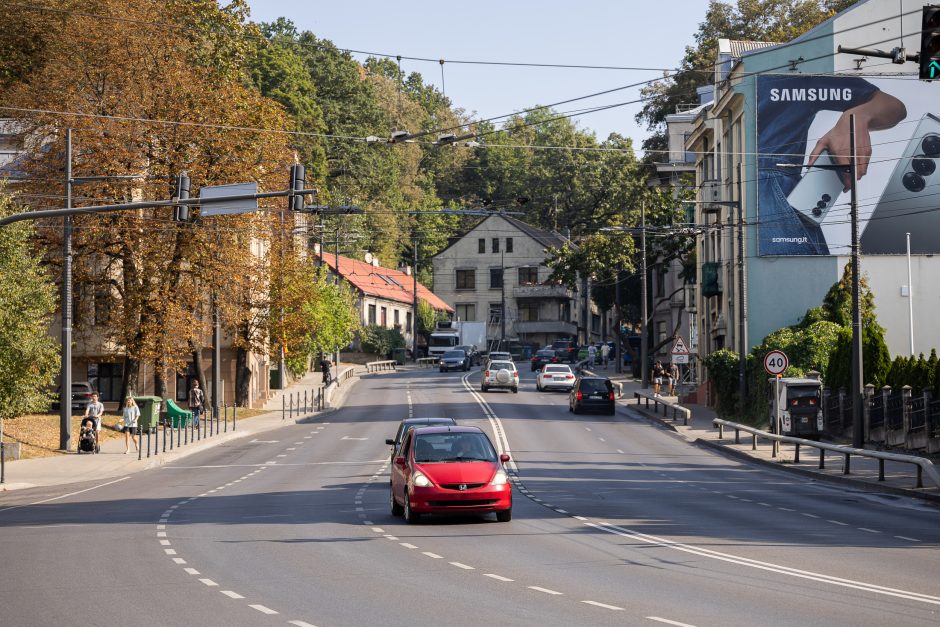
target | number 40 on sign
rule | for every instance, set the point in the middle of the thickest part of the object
(776, 362)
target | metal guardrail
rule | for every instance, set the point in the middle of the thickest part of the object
(676, 409)
(427, 362)
(375, 366)
(923, 465)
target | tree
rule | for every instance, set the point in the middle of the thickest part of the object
(28, 354)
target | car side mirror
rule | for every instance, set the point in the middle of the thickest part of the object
(390, 442)
(399, 461)
(504, 457)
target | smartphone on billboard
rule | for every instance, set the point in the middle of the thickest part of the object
(817, 190)
(910, 202)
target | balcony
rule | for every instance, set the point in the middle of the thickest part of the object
(560, 327)
(542, 290)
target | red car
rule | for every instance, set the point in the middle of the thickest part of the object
(449, 470)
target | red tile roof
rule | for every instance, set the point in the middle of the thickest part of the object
(396, 285)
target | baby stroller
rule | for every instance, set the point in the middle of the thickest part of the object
(88, 438)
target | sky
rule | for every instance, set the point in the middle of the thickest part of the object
(621, 33)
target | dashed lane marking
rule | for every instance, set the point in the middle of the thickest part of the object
(463, 566)
(603, 605)
(497, 577)
(836, 522)
(262, 609)
(231, 595)
(906, 538)
(866, 529)
(209, 582)
(407, 545)
(191, 571)
(432, 555)
(299, 623)
(545, 590)
(669, 622)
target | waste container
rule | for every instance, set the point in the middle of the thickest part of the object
(149, 412)
(178, 416)
(399, 355)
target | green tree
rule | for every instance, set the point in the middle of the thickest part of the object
(28, 354)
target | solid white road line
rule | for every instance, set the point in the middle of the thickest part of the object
(603, 605)
(263, 609)
(545, 590)
(56, 498)
(231, 595)
(669, 622)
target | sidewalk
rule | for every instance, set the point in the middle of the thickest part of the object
(899, 478)
(111, 462)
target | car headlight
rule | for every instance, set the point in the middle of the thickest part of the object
(420, 481)
(500, 478)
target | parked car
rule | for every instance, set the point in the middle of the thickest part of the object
(449, 470)
(542, 357)
(555, 376)
(474, 355)
(500, 374)
(567, 350)
(454, 360)
(81, 396)
(592, 394)
(498, 356)
(411, 423)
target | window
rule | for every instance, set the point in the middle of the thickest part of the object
(106, 378)
(481, 245)
(466, 311)
(496, 278)
(528, 276)
(184, 382)
(371, 319)
(466, 280)
(528, 311)
(661, 283)
(408, 322)
(496, 312)
(564, 312)
(397, 319)
(595, 323)
(661, 331)
(102, 308)
(495, 244)
(383, 318)
(508, 244)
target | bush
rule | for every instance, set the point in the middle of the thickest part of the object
(379, 340)
(722, 367)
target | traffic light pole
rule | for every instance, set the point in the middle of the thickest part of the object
(65, 389)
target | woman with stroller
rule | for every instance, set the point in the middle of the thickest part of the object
(131, 414)
(92, 419)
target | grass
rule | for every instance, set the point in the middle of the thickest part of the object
(38, 434)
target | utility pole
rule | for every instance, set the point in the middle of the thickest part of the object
(858, 429)
(65, 390)
(502, 306)
(742, 302)
(336, 261)
(644, 348)
(414, 304)
(618, 334)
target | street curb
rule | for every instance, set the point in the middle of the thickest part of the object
(867, 486)
(652, 418)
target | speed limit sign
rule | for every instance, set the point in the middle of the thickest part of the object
(776, 362)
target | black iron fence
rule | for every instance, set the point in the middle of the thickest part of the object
(892, 417)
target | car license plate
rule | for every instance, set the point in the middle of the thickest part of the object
(804, 420)
(597, 396)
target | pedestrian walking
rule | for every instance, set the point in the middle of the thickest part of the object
(658, 373)
(673, 378)
(592, 354)
(605, 353)
(325, 367)
(130, 416)
(95, 411)
(197, 402)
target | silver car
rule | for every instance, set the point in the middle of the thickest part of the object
(500, 374)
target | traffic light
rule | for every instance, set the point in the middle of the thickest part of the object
(930, 44)
(297, 183)
(181, 185)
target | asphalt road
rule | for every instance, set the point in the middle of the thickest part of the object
(615, 522)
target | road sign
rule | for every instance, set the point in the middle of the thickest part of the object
(215, 204)
(679, 348)
(680, 359)
(776, 362)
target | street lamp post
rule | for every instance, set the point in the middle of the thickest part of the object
(851, 169)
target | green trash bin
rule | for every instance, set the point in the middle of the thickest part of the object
(178, 416)
(149, 412)
(399, 355)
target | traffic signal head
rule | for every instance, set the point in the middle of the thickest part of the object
(297, 183)
(930, 43)
(181, 186)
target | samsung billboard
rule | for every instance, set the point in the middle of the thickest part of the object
(804, 121)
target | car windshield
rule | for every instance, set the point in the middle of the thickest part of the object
(501, 365)
(556, 369)
(440, 448)
(454, 355)
(439, 341)
(545, 353)
(595, 385)
(408, 425)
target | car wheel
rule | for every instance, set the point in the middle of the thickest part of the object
(410, 516)
(504, 516)
(397, 510)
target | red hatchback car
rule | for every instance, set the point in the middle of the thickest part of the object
(449, 470)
